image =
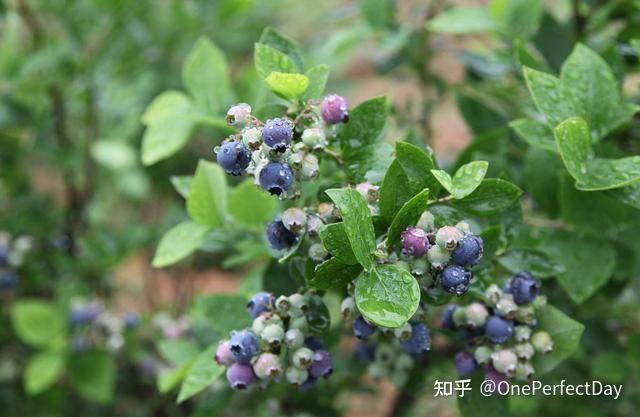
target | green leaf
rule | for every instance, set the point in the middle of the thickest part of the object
(536, 134)
(592, 84)
(202, 373)
(290, 86)
(537, 263)
(182, 184)
(408, 215)
(205, 74)
(42, 371)
(466, 179)
(250, 206)
(318, 77)
(357, 221)
(387, 295)
(169, 378)
(565, 333)
(93, 375)
(334, 274)
(518, 18)
(178, 243)
(474, 404)
(591, 173)
(417, 165)
(394, 192)
(552, 98)
(207, 201)
(223, 312)
(380, 14)
(268, 60)
(169, 126)
(178, 352)
(629, 195)
(38, 323)
(277, 40)
(359, 137)
(492, 196)
(463, 21)
(335, 240)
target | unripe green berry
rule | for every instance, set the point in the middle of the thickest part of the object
(314, 138)
(404, 332)
(294, 219)
(539, 302)
(505, 361)
(447, 237)
(482, 354)
(299, 302)
(348, 308)
(385, 354)
(522, 333)
(299, 323)
(506, 307)
(476, 314)
(463, 227)
(314, 223)
(294, 339)
(524, 372)
(272, 334)
(419, 267)
(404, 361)
(378, 370)
(492, 295)
(542, 342)
(283, 304)
(459, 317)
(303, 357)
(526, 314)
(438, 257)
(524, 350)
(426, 221)
(252, 138)
(310, 167)
(296, 376)
(317, 252)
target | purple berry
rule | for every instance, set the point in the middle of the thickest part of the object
(468, 251)
(277, 133)
(234, 157)
(240, 376)
(244, 346)
(414, 242)
(498, 330)
(314, 343)
(334, 109)
(224, 356)
(455, 279)
(465, 363)
(362, 329)
(420, 340)
(322, 365)
(447, 317)
(496, 377)
(279, 237)
(261, 302)
(308, 384)
(524, 288)
(276, 177)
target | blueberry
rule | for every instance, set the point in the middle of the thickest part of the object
(465, 363)
(524, 288)
(414, 242)
(234, 157)
(322, 365)
(277, 133)
(334, 109)
(455, 279)
(240, 376)
(364, 353)
(498, 330)
(8, 279)
(223, 354)
(267, 366)
(447, 317)
(131, 320)
(244, 346)
(314, 343)
(84, 315)
(261, 302)
(4, 256)
(279, 237)
(496, 377)
(276, 177)
(362, 329)
(420, 340)
(468, 251)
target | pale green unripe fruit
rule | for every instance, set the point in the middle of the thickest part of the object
(403, 333)
(526, 314)
(272, 334)
(282, 303)
(299, 302)
(294, 339)
(506, 307)
(303, 357)
(463, 227)
(314, 138)
(524, 350)
(314, 223)
(447, 237)
(310, 167)
(492, 294)
(524, 372)
(419, 267)
(267, 366)
(296, 376)
(505, 361)
(482, 354)
(438, 257)
(299, 323)
(459, 317)
(318, 252)
(294, 219)
(476, 314)
(378, 370)
(522, 333)
(542, 342)
(348, 307)
(426, 221)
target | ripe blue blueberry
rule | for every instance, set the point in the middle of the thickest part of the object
(260, 303)
(524, 288)
(244, 346)
(85, 314)
(468, 251)
(314, 343)
(334, 109)
(240, 375)
(277, 133)
(465, 363)
(420, 340)
(447, 317)
(414, 242)
(279, 237)
(362, 329)
(498, 330)
(131, 320)
(455, 279)
(233, 157)
(276, 177)
(322, 365)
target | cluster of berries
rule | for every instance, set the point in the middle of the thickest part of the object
(389, 353)
(93, 326)
(287, 230)
(281, 150)
(441, 256)
(172, 327)
(500, 331)
(279, 343)
(12, 253)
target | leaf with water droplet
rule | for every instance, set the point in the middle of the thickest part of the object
(387, 295)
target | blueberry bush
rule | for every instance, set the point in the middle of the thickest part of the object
(367, 257)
